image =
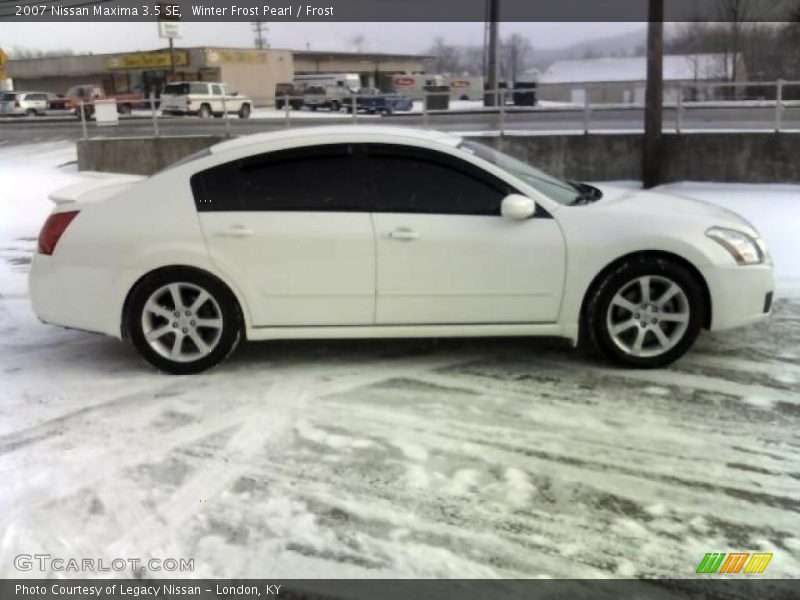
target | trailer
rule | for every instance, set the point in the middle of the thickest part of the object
(465, 88)
(413, 86)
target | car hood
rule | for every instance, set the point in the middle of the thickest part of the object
(662, 205)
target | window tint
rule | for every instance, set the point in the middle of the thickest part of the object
(8, 97)
(415, 180)
(177, 89)
(198, 88)
(319, 178)
(216, 90)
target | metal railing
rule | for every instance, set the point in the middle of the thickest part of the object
(596, 108)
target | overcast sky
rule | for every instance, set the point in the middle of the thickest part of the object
(379, 37)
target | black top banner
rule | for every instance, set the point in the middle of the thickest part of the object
(392, 10)
(394, 589)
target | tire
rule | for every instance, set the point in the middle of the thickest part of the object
(646, 313)
(180, 345)
(204, 112)
(124, 109)
(335, 106)
(388, 111)
(30, 113)
(244, 111)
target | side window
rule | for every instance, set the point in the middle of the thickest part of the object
(216, 90)
(318, 178)
(415, 180)
(200, 89)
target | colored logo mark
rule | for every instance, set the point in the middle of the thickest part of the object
(734, 563)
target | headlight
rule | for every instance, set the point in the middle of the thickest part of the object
(744, 249)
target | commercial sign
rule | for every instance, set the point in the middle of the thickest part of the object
(147, 60)
(169, 29)
(228, 56)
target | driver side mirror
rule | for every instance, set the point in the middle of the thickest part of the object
(517, 207)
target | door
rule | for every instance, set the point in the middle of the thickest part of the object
(577, 96)
(232, 103)
(292, 229)
(216, 98)
(444, 253)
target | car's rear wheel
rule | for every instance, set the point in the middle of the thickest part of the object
(204, 112)
(335, 106)
(30, 113)
(183, 321)
(646, 313)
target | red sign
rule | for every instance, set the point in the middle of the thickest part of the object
(404, 81)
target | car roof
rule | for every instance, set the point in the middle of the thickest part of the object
(340, 133)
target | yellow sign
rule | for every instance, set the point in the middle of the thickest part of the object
(147, 60)
(3, 58)
(228, 56)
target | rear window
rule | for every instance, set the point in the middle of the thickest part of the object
(184, 89)
(7, 97)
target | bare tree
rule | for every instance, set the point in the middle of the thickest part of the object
(357, 42)
(515, 51)
(20, 52)
(445, 58)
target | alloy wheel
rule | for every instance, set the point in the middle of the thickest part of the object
(182, 322)
(648, 316)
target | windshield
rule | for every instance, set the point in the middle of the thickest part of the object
(560, 191)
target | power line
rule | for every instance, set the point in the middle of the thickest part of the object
(260, 29)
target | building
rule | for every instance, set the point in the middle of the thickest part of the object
(248, 71)
(374, 69)
(623, 80)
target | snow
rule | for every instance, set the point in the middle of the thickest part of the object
(689, 67)
(399, 458)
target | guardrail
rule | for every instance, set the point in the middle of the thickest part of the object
(681, 102)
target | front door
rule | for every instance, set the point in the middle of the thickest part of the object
(293, 230)
(444, 253)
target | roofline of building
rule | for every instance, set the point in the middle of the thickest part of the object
(179, 48)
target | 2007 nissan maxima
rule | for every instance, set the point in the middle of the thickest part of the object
(359, 231)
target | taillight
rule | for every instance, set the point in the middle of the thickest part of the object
(16, 103)
(188, 102)
(53, 229)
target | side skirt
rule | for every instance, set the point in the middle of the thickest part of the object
(405, 331)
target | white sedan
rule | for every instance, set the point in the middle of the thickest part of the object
(360, 231)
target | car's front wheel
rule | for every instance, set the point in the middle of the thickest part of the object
(183, 321)
(646, 313)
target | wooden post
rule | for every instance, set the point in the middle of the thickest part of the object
(654, 97)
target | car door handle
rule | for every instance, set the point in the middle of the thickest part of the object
(403, 233)
(235, 231)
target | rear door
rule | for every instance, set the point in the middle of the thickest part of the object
(445, 254)
(292, 228)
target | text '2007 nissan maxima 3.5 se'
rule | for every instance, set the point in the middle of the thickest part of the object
(359, 231)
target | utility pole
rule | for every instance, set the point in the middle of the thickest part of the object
(260, 29)
(489, 97)
(654, 97)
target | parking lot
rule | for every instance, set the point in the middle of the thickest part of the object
(418, 458)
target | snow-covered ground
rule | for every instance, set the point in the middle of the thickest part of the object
(452, 458)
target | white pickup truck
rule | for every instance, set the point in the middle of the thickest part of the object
(203, 99)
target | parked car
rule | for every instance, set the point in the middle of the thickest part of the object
(294, 94)
(203, 99)
(28, 104)
(363, 231)
(372, 101)
(322, 96)
(87, 94)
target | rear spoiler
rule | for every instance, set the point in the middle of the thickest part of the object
(96, 187)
